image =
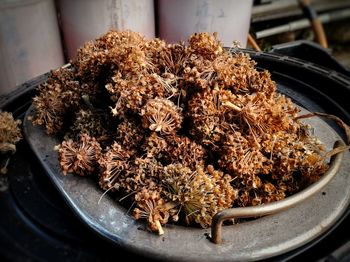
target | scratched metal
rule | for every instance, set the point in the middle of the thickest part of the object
(262, 238)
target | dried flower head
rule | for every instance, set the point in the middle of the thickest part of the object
(153, 208)
(161, 115)
(132, 92)
(200, 194)
(9, 128)
(155, 146)
(205, 45)
(183, 150)
(113, 164)
(90, 122)
(10, 134)
(58, 96)
(143, 173)
(208, 123)
(171, 114)
(129, 134)
(79, 157)
(173, 58)
(242, 157)
(114, 50)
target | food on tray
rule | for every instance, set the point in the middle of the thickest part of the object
(179, 131)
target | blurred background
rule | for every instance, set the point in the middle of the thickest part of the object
(39, 35)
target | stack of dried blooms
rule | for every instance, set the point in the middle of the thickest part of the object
(10, 134)
(184, 131)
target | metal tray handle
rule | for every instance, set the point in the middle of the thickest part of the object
(274, 207)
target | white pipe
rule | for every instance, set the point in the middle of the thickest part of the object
(303, 23)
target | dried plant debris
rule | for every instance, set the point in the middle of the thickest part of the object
(183, 131)
(80, 157)
(10, 134)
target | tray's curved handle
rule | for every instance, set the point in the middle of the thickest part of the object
(274, 207)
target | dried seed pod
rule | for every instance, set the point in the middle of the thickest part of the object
(155, 146)
(153, 208)
(79, 157)
(143, 173)
(200, 195)
(89, 122)
(205, 45)
(114, 164)
(183, 150)
(243, 157)
(9, 128)
(131, 93)
(129, 134)
(161, 115)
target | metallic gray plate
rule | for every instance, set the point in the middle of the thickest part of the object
(262, 238)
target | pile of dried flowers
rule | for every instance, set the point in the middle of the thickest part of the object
(10, 134)
(183, 131)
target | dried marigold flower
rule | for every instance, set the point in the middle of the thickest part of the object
(79, 157)
(161, 115)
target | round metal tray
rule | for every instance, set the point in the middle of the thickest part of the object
(258, 239)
